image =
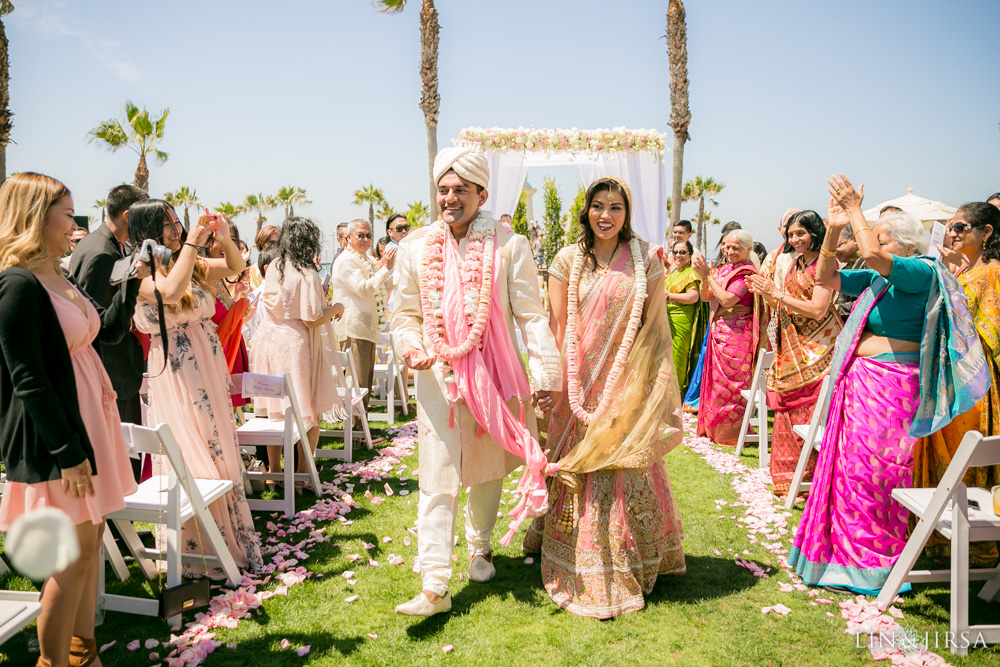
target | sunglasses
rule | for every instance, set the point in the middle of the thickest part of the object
(959, 227)
(401, 228)
(363, 236)
(681, 252)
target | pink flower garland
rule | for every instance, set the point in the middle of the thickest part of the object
(572, 319)
(477, 277)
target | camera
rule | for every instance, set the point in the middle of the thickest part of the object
(151, 249)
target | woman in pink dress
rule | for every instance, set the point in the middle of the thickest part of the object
(62, 444)
(188, 377)
(295, 335)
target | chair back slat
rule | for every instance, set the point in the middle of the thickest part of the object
(986, 454)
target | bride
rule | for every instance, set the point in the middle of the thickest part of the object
(613, 525)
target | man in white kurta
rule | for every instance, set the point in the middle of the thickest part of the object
(455, 457)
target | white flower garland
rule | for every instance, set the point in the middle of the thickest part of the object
(572, 321)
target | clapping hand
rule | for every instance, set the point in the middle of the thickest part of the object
(701, 267)
(845, 194)
(758, 284)
(836, 217)
(389, 257)
(953, 259)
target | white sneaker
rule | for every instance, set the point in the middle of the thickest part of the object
(481, 569)
(421, 606)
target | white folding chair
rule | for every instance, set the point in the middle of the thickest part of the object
(812, 437)
(172, 499)
(352, 405)
(962, 515)
(756, 398)
(389, 379)
(17, 610)
(284, 433)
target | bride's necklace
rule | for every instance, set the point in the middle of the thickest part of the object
(572, 322)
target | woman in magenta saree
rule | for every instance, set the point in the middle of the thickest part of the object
(732, 340)
(896, 371)
(613, 526)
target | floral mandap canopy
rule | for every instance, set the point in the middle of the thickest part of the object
(634, 156)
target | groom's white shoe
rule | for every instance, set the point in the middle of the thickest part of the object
(421, 606)
(481, 568)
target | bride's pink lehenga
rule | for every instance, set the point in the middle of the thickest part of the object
(613, 525)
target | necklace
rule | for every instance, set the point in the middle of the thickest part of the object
(572, 321)
(477, 284)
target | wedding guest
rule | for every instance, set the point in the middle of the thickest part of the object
(974, 233)
(730, 226)
(379, 248)
(90, 267)
(188, 375)
(679, 232)
(686, 312)
(613, 525)
(396, 227)
(355, 284)
(264, 259)
(889, 210)
(230, 306)
(60, 434)
(295, 335)
(852, 530)
(732, 339)
(994, 199)
(265, 238)
(805, 326)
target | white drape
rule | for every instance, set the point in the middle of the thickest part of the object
(645, 174)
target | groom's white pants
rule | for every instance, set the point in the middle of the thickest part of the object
(436, 514)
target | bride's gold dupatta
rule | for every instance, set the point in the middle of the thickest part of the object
(644, 421)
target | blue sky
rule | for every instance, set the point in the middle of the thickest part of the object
(323, 94)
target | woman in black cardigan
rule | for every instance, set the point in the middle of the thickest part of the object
(60, 434)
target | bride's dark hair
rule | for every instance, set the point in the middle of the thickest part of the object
(586, 231)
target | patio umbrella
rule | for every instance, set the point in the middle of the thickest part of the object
(925, 210)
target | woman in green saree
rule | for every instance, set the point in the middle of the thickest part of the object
(687, 313)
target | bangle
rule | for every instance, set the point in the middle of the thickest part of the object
(781, 297)
(196, 247)
(827, 253)
(864, 228)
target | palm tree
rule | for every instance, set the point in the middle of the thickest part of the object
(385, 210)
(288, 197)
(6, 122)
(185, 198)
(101, 204)
(260, 204)
(143, 136)
(416, 214)
(230, 210)
(430, 100)
(373, 197)
(699, 189)
(680, 113)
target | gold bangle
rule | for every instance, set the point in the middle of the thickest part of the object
(864, 228)
(827, 253)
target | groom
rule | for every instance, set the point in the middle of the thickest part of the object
(470, 377)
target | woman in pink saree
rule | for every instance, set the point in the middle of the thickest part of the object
(803, 327)
(732, 340)
(612, 525)
(909, 361)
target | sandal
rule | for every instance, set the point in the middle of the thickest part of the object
(82, 652)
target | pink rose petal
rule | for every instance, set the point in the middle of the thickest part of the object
(447, 648)
(133, 645)
(372, 635)
(386, 539)
(353, 557)
(352, 598)
(347, 574)
(107, 646)
(367, 545)
(152, 643)
(231, 645)
(388, 489)
(284, 644)
(302, 650)
(154, 656)
(529, 560)
(406, 540)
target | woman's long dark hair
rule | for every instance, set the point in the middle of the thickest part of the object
(813, 224)
(979, 214)
(299, 244)
(587, 232)
(145, 221)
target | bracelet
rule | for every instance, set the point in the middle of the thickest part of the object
(827, 253)
(864, 228)
(197, 247)
(781, 296)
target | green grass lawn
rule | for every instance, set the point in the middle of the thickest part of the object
(709, 616)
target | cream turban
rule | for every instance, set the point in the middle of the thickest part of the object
(466, 161)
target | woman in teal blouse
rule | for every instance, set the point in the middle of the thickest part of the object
(895, 366)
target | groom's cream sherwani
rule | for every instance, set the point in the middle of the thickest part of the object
(451, 458)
